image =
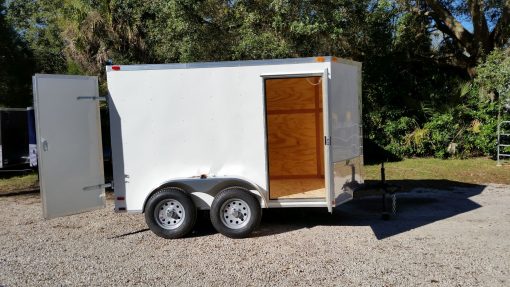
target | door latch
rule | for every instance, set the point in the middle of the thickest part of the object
(327, 140)
(44, 143)
(97, 186)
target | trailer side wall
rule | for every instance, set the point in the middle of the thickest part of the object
(182, 123)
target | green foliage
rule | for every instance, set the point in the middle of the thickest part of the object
(493, 76)
(468, 129)
(442, 129)
(405, 137)
(15, 66)
(35, 22)
(464, 129)
(415, 103)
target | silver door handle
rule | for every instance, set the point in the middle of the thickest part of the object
(44, 143)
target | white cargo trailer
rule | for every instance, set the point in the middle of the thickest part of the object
(229, 137)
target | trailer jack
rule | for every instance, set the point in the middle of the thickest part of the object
(388, 190)
(388, 193)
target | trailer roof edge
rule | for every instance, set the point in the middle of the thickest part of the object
(229, 64)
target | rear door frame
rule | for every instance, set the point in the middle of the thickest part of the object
(328, 158)
(302, 202)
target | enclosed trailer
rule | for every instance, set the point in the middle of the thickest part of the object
(229, 137)
(17, 151)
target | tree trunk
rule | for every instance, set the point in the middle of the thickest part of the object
(477, 44)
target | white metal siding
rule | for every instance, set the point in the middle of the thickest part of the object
(179, 123)
(345, 122)
(345, 111)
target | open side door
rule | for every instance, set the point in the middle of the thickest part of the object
(70, 155)
(342, 129)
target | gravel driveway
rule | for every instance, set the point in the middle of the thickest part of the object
(444, 238)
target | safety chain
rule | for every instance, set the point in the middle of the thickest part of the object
(394, 203)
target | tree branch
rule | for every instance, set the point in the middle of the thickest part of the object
(501, 32)
(481, 30)
(449, 25)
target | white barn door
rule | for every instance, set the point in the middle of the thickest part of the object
(69, 143)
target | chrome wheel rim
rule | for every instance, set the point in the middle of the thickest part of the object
(235, 213)
(169, 214)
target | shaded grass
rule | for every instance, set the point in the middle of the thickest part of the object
(423, 172)
(19, 183)
(467, 171)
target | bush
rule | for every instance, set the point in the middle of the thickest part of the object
(398, 134)
(493, 78)
(459, 119)
(442, 129)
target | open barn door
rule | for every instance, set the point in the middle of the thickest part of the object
(69, 144)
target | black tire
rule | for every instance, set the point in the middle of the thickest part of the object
(170, 204)
(238, 197)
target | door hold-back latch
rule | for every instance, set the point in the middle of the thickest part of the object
(98, 186)
(91, 98)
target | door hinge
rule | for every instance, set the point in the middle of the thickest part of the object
(97, 186)
(327, 140)
(92, 98)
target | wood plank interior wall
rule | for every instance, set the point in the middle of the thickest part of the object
(295, 135)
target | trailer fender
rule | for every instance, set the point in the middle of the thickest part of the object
(203, 190)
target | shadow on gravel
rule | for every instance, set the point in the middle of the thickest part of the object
(203, 227)
(19, 192)
(129, 233)
(420, 203)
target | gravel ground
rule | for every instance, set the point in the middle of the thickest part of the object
(444, 238)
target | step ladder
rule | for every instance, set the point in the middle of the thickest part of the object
(503, 140)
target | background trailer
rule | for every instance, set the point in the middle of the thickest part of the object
(232, 137)
(17, 139)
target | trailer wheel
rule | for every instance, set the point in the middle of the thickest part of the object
(170, 213)
(235, 212)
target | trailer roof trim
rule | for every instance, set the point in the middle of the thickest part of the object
(226, 64)
(292, 75)
(16, 109)
(57, 76)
